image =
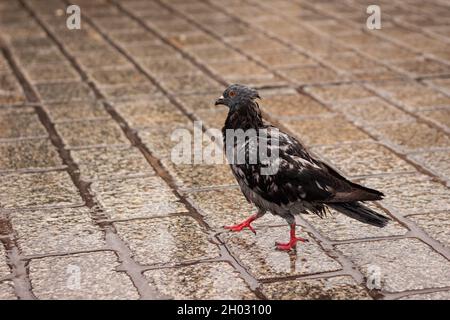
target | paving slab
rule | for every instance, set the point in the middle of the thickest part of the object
(41, 232)
(166, 240)
(374, 105)
(216, 280)
(227, 207)
(137, 197)
(28, 154)
(52, 72)
(437, 225)
(139, 90)
(64, 91)
(335, 288)
(327, 130)
(436, 161)
(362, 158)
(152, 113)
(338, 227)
(292, 105)
(80, 276)
(259, 256)
(410, 193)
(339, 93)
(37, 189)
(7, 291)
(372, 111)
(112, 76)
(439, 116)
(411, 136)
(76, 111)
(24, 124)
(91, 133)
(111, 162)
(399, 266)
(200, 175)
(4, 269)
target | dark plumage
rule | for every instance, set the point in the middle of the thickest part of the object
(302, 184)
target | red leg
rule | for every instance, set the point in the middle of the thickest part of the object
(292, 242)
(244, 224)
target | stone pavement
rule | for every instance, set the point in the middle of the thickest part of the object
(91, 206)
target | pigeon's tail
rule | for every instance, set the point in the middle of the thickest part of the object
(361, 213)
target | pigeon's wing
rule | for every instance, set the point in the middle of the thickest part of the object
(357, 193)
(299, 177)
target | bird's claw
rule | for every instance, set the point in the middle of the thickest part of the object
(290, 245)
(240, 227)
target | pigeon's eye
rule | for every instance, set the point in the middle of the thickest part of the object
(232, 94)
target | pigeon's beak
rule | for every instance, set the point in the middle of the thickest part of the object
(220, 100)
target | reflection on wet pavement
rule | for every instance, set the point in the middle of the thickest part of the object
(92, 205)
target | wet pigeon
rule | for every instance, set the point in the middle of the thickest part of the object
(301, 184)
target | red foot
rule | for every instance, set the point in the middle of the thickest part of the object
(292, 242)
(245, 224)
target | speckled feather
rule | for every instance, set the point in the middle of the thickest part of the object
(302, 183)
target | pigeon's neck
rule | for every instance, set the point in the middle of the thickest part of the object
(244, 117)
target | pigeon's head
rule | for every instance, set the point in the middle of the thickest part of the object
(236, 95)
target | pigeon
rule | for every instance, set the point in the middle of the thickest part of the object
(302, 184)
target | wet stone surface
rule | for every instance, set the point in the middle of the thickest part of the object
(401, 263)
(91, 133)
(111, 162)
(362, 159)
(14, 124)
(190, 83)
(372, 111)
(4, 269)
(7, 291)
(336, 288)
(200, 175)
(166, 240)
(339, 227)
(139, 90)
(441, 116)
(37, 189)
(329, 130)
(117, 76)
(165, 66)
(53, 231)
(162, 141)
(98, 277)
(137, 197)
(292, 105)
(100, 58)
(258, 254)
(10, 97)
(28, 154)
(437, 225)
(436, 161)
(195, 102)
(113, 95)
(51, 72)
(150, 113)
(216, 280)
(76, 111)
(64, 92)
(408, 194)
(414, 96)
(412, 136)
(227, 207)
(310, 74)
(213, 119)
